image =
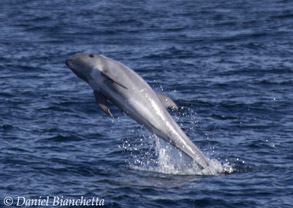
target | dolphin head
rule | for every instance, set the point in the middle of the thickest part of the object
(82, 64)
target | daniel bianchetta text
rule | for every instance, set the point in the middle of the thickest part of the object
(53, 201)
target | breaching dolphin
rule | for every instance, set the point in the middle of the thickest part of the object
(111, 80)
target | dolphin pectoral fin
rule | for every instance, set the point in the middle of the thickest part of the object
(167, 102)
(109, 76)
(101, 100)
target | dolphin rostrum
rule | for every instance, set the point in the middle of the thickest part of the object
(111, 80)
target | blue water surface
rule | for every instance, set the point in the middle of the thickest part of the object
(227, 64)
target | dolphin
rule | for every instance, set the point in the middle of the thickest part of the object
(113, 81)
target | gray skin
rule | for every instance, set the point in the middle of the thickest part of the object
(113, 81)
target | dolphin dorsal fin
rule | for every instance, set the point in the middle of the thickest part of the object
(167, 102)
(101, 100)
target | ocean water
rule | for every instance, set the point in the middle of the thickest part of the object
(227, 64)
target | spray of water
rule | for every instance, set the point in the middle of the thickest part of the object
(153, 154)
(161, 157)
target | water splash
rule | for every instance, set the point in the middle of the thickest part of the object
(153, 154)
(166, 159)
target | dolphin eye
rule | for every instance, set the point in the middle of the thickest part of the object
(91, 55)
